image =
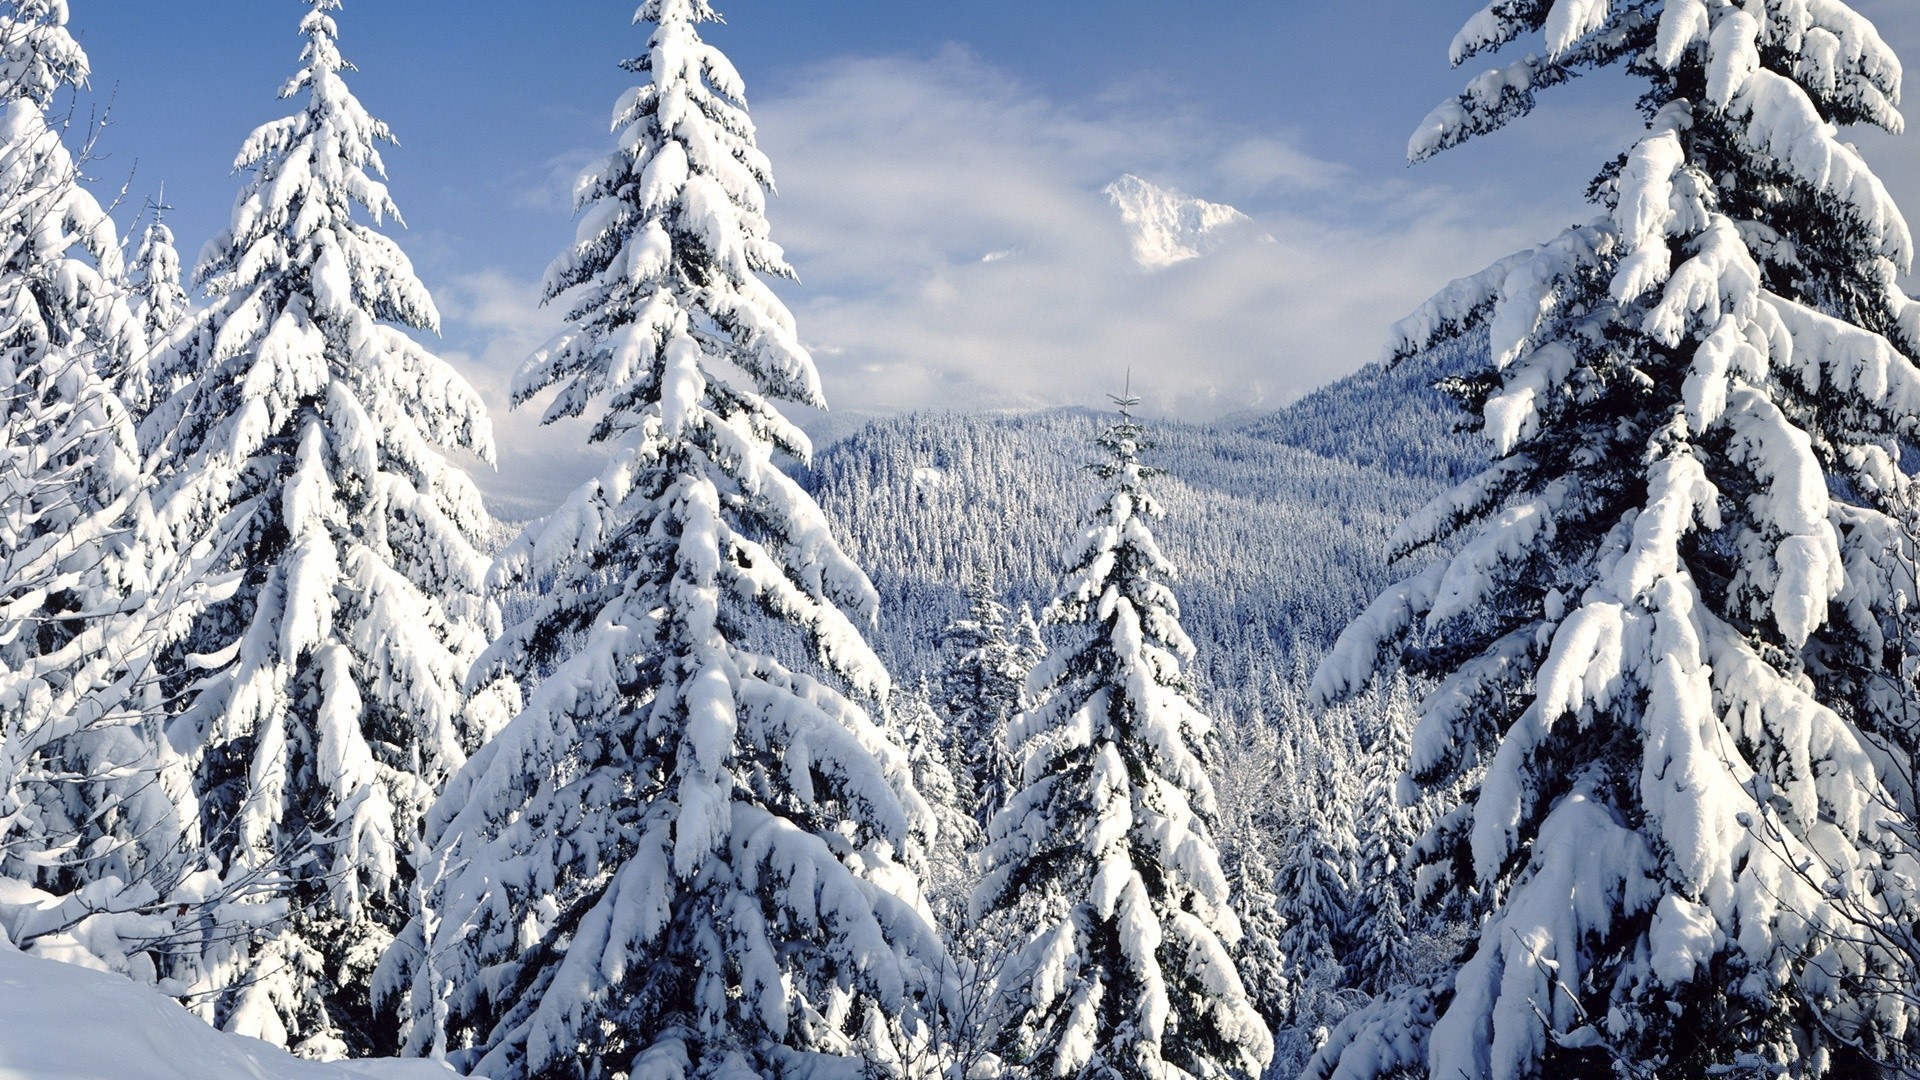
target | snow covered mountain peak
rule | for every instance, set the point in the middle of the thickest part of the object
(1169, 227)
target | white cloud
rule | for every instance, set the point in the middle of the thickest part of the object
(1260, 164)
(957, 251)
(493, 322)
(905, 183)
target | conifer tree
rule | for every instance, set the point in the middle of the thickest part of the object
(90, 833)
(1315, 898)
(980, 690)
(158, 302)
(1378, 926)
(1029, 648)
(1659, 607)
(1128, 971)
(1253, 785)
(322, 686)
(683, 857)
(946, 868)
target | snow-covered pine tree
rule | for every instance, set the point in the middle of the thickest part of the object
(159, 304)
(683, 857)
(1108, 842)
(1381, 946)
(1254, 785)
(1315, 898)
(90, 835)
(980, 691)
(947, 872)
(1029, 648)
(947, 866)
(322, 692)
(1654, 614)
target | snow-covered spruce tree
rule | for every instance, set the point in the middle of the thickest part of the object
(682, 857)
(1315, 899)
(90, 836)
(322, 694)
(1029, 648)
(159, 304)
(1108, 845)
(1381, 938)
(1253, 785)
(946, 871)
(1655, 614)
(947, 866)
(980, 693)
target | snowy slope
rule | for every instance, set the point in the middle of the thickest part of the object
(1279, 523)
(59, 1022)
(1168, 227)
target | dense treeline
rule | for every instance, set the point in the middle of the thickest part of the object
(1279, 525)
(1540, 702)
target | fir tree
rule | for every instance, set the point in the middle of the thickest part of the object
(1254, 784)
(683, 857)
(322, 686)
(1379, 931)
(1660, 604)
(946, 866)
(1128, 970)
(980, 690)
(1315, 891)
(158, 303)
(90, 833)
(1029, 648)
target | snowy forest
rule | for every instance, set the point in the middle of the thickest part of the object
(1541, 699)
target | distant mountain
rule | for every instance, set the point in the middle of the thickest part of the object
(1168, 227)
(1279, 524)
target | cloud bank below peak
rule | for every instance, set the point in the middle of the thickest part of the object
(961, 247)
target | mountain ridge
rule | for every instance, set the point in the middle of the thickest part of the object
(1279, 524)
(1169, 227)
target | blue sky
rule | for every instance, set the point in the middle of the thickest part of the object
(911, 141)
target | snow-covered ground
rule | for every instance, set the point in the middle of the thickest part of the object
(60, 1022)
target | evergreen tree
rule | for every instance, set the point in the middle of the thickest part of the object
(1315, 889)
(1380, 935)
(980, 690)
(1254, 784)
(946, 866)
(683, 857)
(1029, 648)
(1128, 970)
(158, 303)
(321, 687)
(1659, 606)
(90, 834)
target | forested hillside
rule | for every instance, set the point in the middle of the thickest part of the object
(1278, 523)
(1537, 702)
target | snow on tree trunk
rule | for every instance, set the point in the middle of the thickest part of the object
(1654, 614)
(307, 477)
(90, 830)
(1108, 844)
(682, 857)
